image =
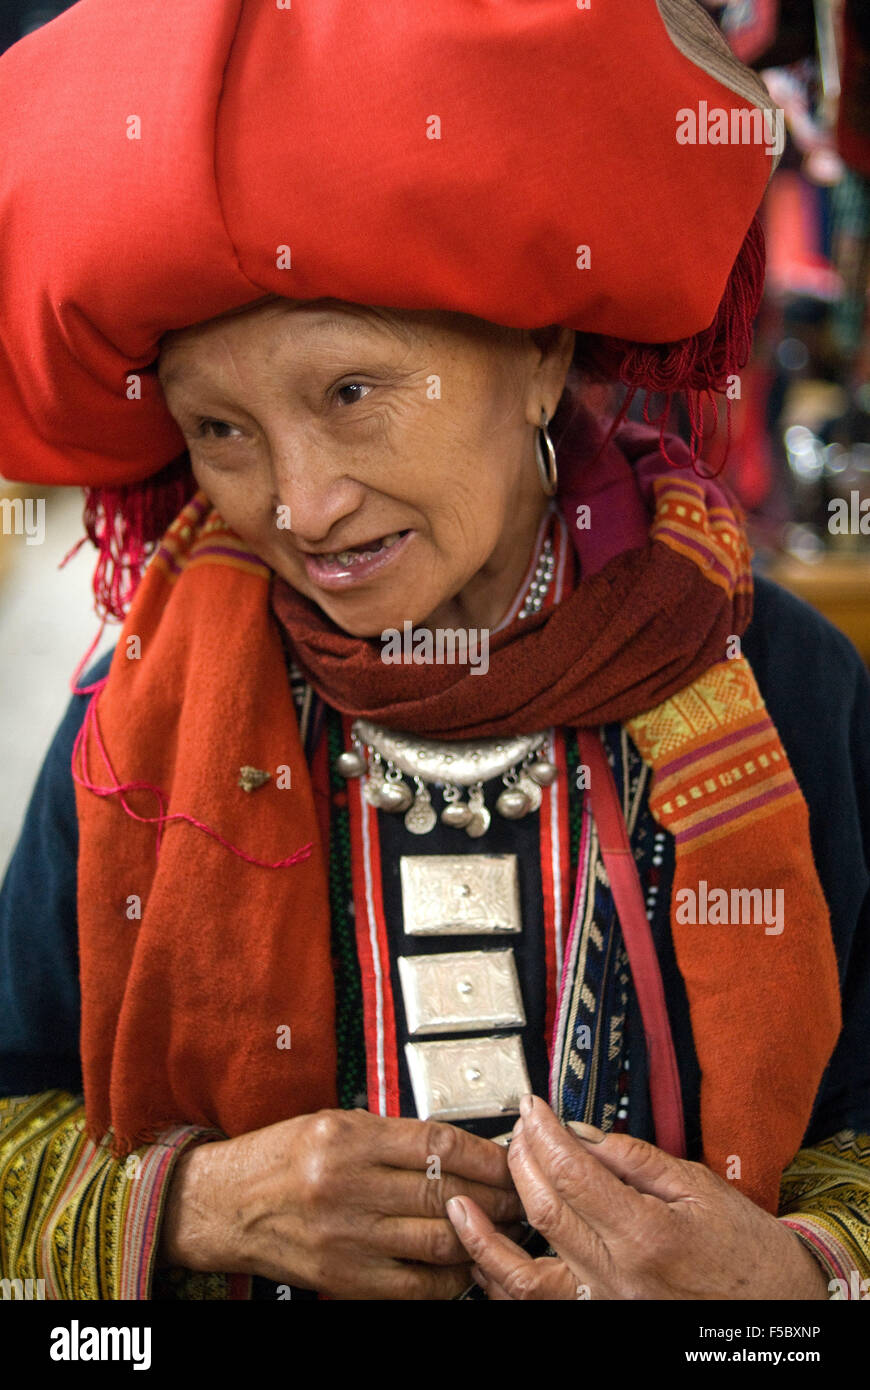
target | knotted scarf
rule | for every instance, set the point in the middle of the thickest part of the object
(204, 910)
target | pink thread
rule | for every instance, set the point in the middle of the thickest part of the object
(75, 688)
(91, 723)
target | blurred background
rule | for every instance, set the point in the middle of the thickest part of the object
(799, 454)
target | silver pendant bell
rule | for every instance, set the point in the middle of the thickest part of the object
(480, 819)
(351, 764)
(394, 796)
(455, 814)
(513, 804)
(543, 772)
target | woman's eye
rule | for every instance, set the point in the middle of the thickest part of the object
(214, 429)
(351, 386)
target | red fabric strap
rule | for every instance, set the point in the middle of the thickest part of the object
(616, 851)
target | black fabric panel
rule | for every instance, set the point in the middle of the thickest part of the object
(521, 838)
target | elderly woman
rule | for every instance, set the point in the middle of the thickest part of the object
(455, 878)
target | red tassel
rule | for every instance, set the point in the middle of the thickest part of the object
(696, 366)
(125, 523)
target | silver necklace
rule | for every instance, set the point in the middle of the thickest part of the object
(384, 757)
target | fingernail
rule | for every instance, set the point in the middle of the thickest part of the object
(526, 1105)
(584, 1131)
(518, 1129)
(457, 1213)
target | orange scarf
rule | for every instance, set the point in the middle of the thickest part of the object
(193, 960)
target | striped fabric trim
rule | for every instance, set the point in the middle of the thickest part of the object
(575, 948)
(707, 537)
(825, 1198)
(587, 955)
(215, 543)
(85, 1223)
(555, 874)
(379, 1008)
(832, 1255)
(371, 934)
(724, 781)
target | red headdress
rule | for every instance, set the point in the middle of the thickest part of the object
(526, 161)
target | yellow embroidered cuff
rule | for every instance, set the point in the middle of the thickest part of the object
(72, 1216)
(825, 1199)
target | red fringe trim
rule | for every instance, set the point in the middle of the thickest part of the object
(697, 366)
(125, 523)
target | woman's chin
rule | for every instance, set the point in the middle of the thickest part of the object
(358, 615)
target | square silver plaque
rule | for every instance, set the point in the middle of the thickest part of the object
(468, 1078)
(458, 991)
(460, 894)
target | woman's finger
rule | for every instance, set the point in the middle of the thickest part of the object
(399, 1192)
(433, 1146)
(643, 1166)
(493, 1252)
(422, 1240)
(549, 1280)
(504, 1269)
(646, 1168)
(575, 1170)
(575, 1241)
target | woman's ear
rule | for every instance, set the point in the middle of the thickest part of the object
(556, 346)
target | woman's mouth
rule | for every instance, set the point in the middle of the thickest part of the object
(346, 567)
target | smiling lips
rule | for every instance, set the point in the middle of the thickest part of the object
(346, 567)
(353, 557)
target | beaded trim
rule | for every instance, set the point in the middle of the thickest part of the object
(541, 581)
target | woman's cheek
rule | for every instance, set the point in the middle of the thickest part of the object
(231, 492)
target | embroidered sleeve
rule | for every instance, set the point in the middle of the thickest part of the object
(74, 1221)
(825, 1199)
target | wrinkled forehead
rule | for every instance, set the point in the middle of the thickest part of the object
(332, 320)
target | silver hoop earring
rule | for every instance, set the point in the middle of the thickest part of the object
(547, 470)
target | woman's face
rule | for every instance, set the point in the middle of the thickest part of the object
(380, 461)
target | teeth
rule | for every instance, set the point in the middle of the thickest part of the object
(353, 557)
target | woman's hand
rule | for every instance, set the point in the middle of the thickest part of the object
(629, 1221)
(337, 1201)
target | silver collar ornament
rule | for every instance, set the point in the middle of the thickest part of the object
(385, 757)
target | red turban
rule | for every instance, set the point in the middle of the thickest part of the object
(157, 158)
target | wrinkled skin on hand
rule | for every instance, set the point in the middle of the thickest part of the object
(629, 1221)
(341, 1201)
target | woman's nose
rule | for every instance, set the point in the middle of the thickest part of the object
(315, 495)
